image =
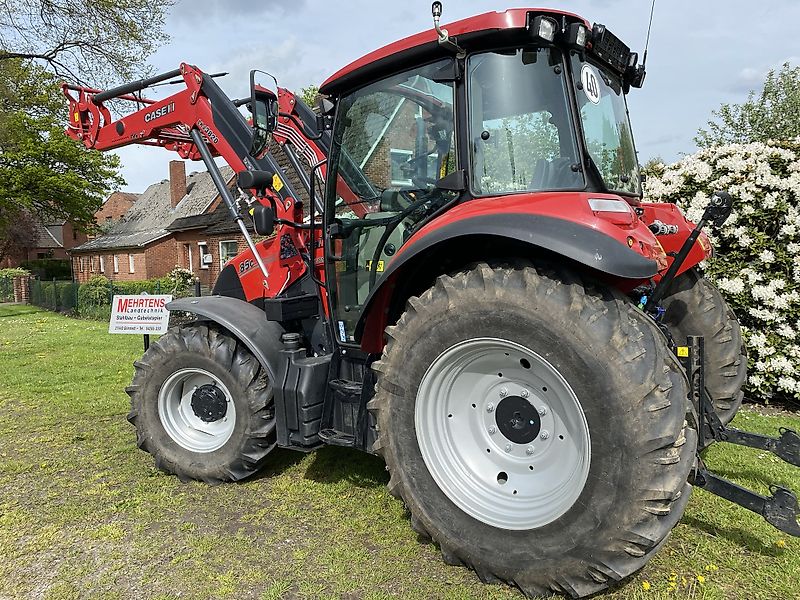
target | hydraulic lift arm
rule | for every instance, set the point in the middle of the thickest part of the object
(199, 122)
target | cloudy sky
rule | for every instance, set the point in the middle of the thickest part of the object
(702, 53)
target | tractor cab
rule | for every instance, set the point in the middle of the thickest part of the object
(504, 104)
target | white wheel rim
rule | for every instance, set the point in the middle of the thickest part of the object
(183, 423)
(510, 483)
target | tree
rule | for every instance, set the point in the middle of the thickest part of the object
(774, 114)
(41, 42)
(41, 169)
(19, 235)
(101, 41)
(309, 95)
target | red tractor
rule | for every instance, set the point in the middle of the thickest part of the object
(478, 294)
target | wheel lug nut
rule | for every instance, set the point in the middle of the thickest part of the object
(542, 410)
(545, 434)
(524, 393)
(492, 430)
(508, 447)
(503, 392)
(529, 450)
(489, 407)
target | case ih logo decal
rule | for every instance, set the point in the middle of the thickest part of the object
(159, 112)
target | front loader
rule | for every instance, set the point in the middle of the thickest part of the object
(478, 294)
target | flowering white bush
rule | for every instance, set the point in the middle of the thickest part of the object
(757, 260)
(182, 278)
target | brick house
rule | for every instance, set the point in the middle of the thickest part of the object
(113, 209)
(53, 239)
(165, 227)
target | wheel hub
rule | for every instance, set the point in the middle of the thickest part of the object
(518, 420)
(209, 403)
(196, 410)
(502, 433)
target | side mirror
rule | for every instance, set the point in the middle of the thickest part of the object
(263, 220)
(264, 106)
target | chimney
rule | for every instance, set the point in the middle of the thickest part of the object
(177, 181)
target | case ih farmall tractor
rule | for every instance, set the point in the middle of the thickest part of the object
(479, 296)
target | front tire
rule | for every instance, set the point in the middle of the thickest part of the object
(571, 511)
(202, 406)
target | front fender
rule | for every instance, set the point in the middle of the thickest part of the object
(246, 322)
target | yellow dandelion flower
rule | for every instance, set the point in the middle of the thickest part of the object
(672, 585)
(780, 544)
(701, 579)
(646, 586)
(711, 567)
(673, 577)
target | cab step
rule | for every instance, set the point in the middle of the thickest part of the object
(337, 438)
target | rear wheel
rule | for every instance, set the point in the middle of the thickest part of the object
(535, 428)
(202, 406)
(695, 307)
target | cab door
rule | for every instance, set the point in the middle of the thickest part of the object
(393, 140)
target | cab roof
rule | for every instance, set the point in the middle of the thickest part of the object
(424, 46)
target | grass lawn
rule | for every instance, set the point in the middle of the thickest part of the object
(84, 514)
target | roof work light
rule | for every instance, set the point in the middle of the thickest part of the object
(544, 28)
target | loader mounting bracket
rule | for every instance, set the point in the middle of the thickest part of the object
(781, 508)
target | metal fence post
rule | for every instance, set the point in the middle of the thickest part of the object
(197, 286)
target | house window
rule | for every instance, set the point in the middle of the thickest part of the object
(187, 248)
(227, 250)
(80, 263)
(398, 159)
(116, 264)
(102, 264)
(203, 248)
(131, 264)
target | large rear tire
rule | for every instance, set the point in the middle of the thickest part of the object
(202, 406)
(695, 307)
(535, 428)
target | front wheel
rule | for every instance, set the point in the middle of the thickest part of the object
(535, 428)
(202, 405)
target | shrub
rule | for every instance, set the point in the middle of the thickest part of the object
(95, 292)
(757, 260)
(49, 268)
(14, 272)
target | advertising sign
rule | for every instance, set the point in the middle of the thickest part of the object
(143, 314)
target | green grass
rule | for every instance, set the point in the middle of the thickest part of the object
(84, 514)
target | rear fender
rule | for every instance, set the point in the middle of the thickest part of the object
(531, 236)
(246, 322)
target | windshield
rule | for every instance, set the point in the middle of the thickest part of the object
(399, 135)
(521, 132)
(606, 127)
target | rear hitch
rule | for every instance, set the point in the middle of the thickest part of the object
(781, 509)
